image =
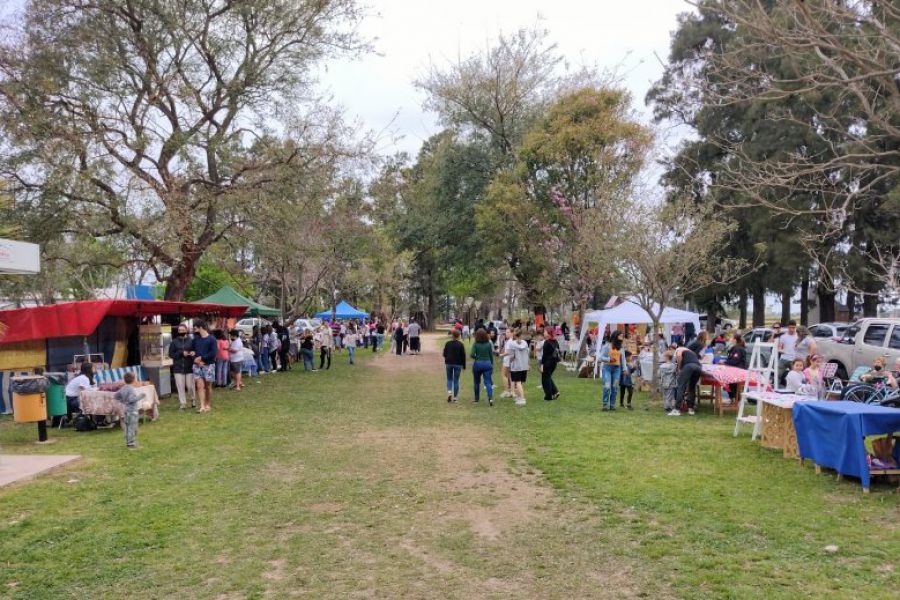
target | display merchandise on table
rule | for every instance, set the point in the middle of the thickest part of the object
(720, 376)
(832, 434)
(97, 402)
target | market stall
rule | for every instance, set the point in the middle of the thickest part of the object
(832, 434)
(229, 296)
(344, 311)
(719, 376)
(631, 313)
(100, 402)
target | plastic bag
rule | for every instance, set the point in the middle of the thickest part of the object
(29, 385)
(57, 378)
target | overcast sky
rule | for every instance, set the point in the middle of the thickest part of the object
(411, 34)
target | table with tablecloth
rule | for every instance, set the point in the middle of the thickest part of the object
(719, 376)
(96, 402)
(832, 433)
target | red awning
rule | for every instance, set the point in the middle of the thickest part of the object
(83, 318)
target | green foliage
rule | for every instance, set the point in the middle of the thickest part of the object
(211, 277)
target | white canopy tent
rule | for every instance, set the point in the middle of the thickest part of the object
(629, 312)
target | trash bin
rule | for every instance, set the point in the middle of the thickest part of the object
(56, 394)
(29, 408)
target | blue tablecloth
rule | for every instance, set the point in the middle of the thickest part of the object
(831, 433)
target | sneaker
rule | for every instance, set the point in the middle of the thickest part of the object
(675, 413)
(506, 395)
(630, 407)
(520, 401)
(449, 397)
(455, 399)
(605, 409)
(555, 396)
(490, 402)
(690, 411)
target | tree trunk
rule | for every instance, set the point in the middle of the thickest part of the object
(742, 309)
(759, 306)
(712, 315)
(826, 303)
(804, 300)
(870, 305)
(851, 305)
(180, 279)
(655, 390)
(786, 306)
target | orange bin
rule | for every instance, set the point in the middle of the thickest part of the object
(29, 408)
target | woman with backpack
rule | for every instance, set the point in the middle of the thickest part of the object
(549, 359)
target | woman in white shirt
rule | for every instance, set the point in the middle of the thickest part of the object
(518, 367)
(84, 381)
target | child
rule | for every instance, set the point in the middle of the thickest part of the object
(129, 398)
(250, 365)
(626, 384)
(795, 378)
(667, 381)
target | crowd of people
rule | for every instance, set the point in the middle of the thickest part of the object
(513, 345)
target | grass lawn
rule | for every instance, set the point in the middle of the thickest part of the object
(363, 482)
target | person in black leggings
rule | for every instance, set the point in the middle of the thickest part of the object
(689, 370)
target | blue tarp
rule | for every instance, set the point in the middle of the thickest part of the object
(831, 433)
(344, 311)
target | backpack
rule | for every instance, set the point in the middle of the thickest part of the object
(83, 422)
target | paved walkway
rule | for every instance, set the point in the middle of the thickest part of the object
(14, 469)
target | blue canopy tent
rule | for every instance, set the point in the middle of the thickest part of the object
(344, 311)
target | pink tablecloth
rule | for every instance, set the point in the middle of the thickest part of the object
(725, 375)
(94, 402)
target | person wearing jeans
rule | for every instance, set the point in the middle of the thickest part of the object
(611, 359)
(454, 363)
(483, 366)
(307, 347)
(689, 371)
(350, 340)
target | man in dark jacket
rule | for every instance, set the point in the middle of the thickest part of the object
(205, 350)
(181, 351)
(454, 362)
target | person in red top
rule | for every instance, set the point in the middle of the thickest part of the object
(221, 358)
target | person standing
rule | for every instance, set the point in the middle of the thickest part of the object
(806, 345)
(414, 331)
(326, 342)
(256, 345)
(482, 354)
(688, 367)
(399, 339)
(736, 357)
(181, 351)
(454, 364)
(350, 340)
(221, 358)
(272, 336)
(284, 346)
(379, 336)
(626, 384)
(550, 357)
(787, 350)
(205, 350)
(677, 334)
(611, 359)
(236, 358)
(129, 399)
(506, 354)
(265, 354)
(307, 351)
(518, 367)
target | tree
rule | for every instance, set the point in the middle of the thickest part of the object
(831, 70)
(143, 112)
(666, 253)
(580, 164)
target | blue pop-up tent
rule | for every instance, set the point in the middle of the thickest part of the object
(344, 311)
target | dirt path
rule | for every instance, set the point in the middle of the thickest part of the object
(473, 490)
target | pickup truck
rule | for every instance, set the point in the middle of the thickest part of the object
(861, 343)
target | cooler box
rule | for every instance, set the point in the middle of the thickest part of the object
(29, 408)
(161, 378)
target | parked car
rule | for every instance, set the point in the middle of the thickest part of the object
(725, 324)
(246, 325)
(828, 330)
(753, 337)
(301, 325)
(861, 343)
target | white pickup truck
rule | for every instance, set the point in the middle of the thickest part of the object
(861, 343)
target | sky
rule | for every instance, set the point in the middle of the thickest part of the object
(630, 37)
